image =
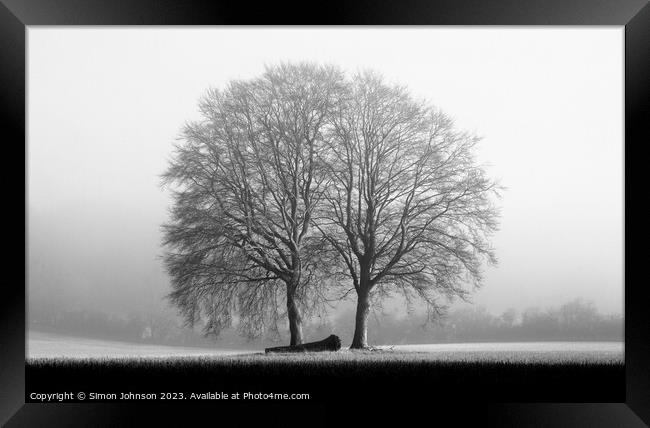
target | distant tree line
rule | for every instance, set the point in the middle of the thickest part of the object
(162, 328)
(577, 320)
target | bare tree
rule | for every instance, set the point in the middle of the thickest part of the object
(247, 183)
(408, 209)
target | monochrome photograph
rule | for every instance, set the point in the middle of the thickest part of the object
(219, 214)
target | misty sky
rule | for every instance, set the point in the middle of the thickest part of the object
(106, 104)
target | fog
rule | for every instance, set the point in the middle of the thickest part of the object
(106, 104)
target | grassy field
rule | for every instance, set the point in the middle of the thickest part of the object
(51, 346)
(498, 372)
(348, 357)
(395, 375)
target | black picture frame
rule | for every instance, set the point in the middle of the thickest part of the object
(634, 15)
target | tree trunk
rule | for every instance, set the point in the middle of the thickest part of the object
(360, 339)
(332, 343)
(295, 320)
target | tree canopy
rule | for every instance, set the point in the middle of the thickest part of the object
(303, 176)
(407, 208)
(247, 185)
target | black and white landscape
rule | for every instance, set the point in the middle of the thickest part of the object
(446, 201)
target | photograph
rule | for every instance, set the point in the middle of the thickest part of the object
(317, 214)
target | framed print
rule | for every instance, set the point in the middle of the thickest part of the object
(281, 213)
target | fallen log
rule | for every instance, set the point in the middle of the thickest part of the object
(332, 343)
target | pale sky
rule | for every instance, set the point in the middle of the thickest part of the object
(105, 105)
